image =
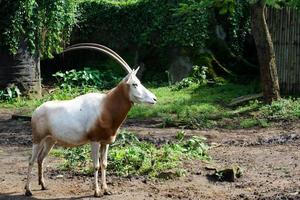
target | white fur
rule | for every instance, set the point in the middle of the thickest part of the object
(138, 93)
(70, 120)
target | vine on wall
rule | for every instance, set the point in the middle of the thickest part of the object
(44, 25)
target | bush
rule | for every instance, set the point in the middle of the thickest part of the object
(138, 23)
(197, 76)
(87, 77)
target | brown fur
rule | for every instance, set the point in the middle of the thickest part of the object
(116, 106)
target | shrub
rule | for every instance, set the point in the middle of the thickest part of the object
(137, 23)
(87, 77)
(197, 76)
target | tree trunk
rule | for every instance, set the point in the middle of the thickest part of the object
(22, 69)
(265, 51)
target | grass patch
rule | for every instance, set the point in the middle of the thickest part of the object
(195, 106)
(250, 122)
(128, 156)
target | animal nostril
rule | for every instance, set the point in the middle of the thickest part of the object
(154, 99)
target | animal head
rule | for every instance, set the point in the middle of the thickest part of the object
(137, 92)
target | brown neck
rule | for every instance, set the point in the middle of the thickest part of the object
(118, 103)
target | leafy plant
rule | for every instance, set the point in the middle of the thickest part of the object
(10, 93)
(281, 109)
(184, 83)
(87, 77)
(180, 135)
(197, 76)
(130, 156)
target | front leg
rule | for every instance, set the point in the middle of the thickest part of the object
(104, 151)
(95, 158)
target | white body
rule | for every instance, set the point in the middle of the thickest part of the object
(69, 120)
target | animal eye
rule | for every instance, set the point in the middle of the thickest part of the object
(134, 85)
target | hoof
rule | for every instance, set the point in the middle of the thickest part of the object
(44, 188)
(97, 194)
(28, 193)
(107, 192)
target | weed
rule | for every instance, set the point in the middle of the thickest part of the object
(129, 156)
(180, 135)
(10, 93)
(282, 109)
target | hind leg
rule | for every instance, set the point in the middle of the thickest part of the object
(47, 146)
(95, 158)
(36, 148)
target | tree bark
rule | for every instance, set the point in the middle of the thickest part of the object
(22, 69)
(265, 51)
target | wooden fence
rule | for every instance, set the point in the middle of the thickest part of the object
(284, 26)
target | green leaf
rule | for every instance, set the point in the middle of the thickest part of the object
(223, 11)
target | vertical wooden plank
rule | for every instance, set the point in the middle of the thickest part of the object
(284, 25)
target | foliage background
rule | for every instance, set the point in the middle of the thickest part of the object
(44, 25)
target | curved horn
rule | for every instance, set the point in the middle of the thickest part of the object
(103, 50)
(100, 46)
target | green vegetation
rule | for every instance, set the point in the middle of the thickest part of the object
(87, 78)
(195, 106)
(129, 156)
(10, 93)
(248, 123)
(283, 109)
(43, 26)
(140, 23)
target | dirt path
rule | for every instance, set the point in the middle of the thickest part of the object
(270, 159)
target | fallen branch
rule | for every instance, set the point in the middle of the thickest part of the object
(21, 117)
(242, 99)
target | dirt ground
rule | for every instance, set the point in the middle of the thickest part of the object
(269, 158)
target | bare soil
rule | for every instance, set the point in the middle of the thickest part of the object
(269, 157)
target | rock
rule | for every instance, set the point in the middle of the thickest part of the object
(59, 176)
(167, 175)
(180, 67)
(227, 174)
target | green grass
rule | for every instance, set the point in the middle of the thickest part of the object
(128, 156)
(190, 101)
(195, 106)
